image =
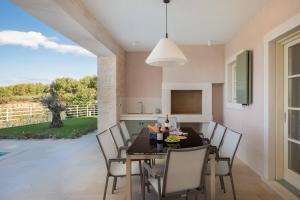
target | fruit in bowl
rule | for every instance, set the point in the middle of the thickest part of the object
(172, 139)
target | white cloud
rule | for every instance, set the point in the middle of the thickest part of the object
(36, 40)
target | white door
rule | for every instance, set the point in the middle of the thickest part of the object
(292, 113)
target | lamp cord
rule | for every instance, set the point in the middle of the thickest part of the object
(167, 20)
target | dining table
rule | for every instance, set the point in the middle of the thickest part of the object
(144, 148)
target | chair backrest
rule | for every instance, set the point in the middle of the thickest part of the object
(210, 130)
(124, 131)
(172, 121)
(107, 146)
(117, 135)
(184, 169)
(230, 144)
(218, 136)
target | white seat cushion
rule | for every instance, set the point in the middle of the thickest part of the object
(119, 168)
(222, 168)
(154, 183)
(159, 167)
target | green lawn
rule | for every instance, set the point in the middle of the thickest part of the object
(73, 128)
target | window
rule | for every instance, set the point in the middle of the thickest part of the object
(230, 83)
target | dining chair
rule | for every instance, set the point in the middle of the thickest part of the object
(208, 133)
(116, 167)
(183, 174)
(224, 161)
(119, 140)
(125, 133)
(217, 138)
(172, 120)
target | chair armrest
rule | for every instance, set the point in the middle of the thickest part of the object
(213, 149)
(223, 159)
(150, 171)
(122, 149)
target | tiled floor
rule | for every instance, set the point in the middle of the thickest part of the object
(249, 186)
(75, 170)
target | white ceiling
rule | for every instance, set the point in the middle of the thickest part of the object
(190, 21)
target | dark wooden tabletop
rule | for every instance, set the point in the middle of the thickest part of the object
(144, 145)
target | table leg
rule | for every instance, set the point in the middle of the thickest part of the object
(128, 177)
(212, 177)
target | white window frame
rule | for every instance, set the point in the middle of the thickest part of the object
(232, 97)
(230, 83)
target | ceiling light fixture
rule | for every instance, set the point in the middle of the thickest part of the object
(166, 53)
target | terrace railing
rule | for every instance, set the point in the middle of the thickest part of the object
(75, 111)
(17, 116)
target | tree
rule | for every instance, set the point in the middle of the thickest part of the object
(84, 97)
(68, 90)
(74, 92)
(89, 82)
(64, 88)
(56, 107)
(5, 95)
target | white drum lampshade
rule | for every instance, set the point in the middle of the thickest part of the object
(166, 53)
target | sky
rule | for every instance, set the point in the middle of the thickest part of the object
(31, 51)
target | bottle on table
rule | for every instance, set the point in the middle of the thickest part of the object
(167, 122)
(160, 135)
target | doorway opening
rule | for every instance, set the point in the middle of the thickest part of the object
(287, 102)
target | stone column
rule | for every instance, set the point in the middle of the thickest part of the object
(107, 92)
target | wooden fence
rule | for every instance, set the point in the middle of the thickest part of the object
(32, 114)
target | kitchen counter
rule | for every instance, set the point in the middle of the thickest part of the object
(181, 118)
(137, 116)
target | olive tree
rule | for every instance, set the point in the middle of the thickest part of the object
(56, 107)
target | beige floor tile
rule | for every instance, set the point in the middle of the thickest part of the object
(75, 170)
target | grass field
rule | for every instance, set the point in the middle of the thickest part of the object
(73, 128)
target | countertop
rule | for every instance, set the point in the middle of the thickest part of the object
(141, 116)
(181, 118)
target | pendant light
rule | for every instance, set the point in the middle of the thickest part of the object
(166, 52)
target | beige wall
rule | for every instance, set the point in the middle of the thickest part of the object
(120, 79)
(141, 79)
(249, 121)
(217, 102)
(205, 64)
